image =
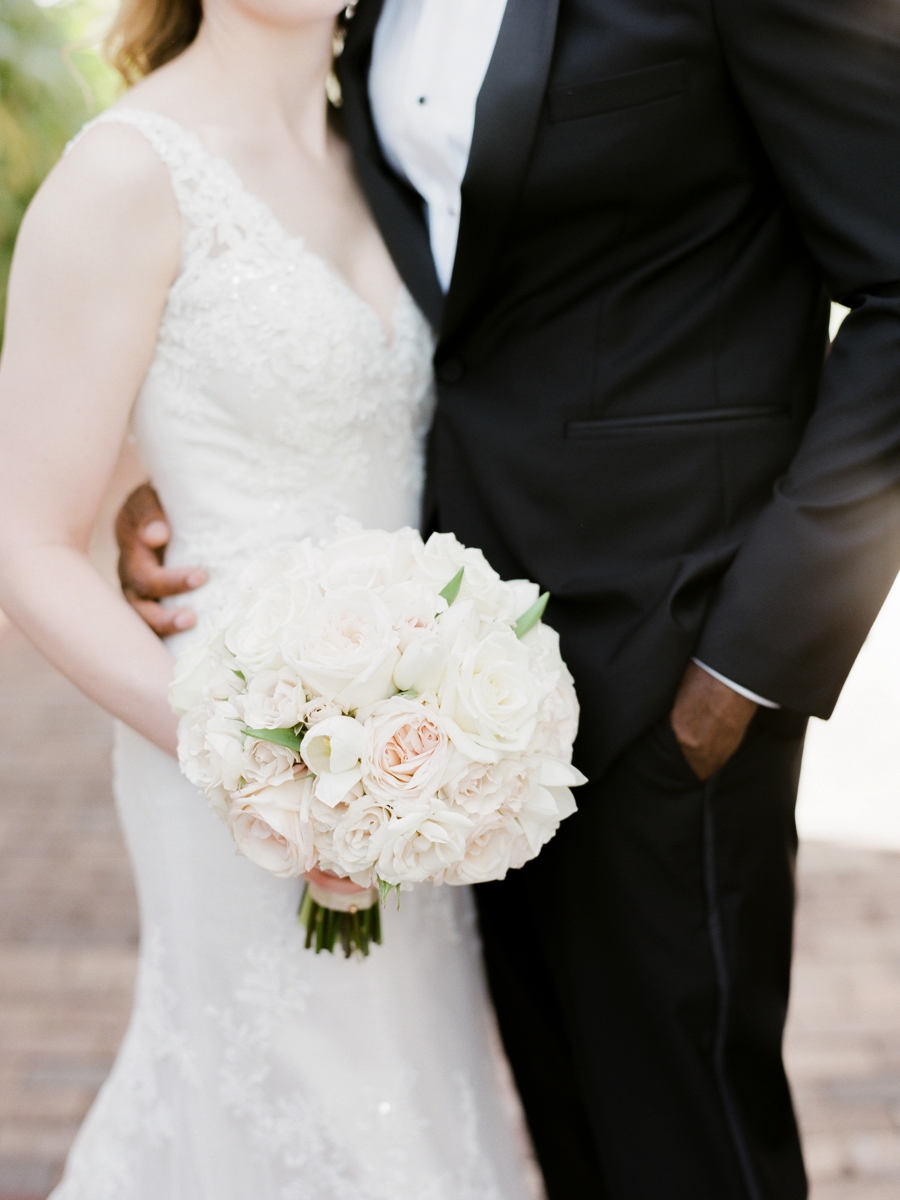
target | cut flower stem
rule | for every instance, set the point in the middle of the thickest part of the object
(354, 928)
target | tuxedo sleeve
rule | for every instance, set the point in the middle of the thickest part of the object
(820, 80)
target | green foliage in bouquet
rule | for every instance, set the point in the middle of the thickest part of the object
(52, 79)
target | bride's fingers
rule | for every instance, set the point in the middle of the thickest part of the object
(163, 621)
(333, 883)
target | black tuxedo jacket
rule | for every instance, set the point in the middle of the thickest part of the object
(637, 406)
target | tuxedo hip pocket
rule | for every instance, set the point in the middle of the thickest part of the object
(662, 761)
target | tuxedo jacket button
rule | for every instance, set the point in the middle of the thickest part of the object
(451, 370)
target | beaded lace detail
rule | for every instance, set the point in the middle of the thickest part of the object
(254, 1069)
(273, 380)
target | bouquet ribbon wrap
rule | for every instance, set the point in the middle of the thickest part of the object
(344, 902)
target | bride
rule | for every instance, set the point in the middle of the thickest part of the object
(201, 273)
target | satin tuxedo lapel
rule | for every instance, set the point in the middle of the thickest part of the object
(506, 119)
(397, 207)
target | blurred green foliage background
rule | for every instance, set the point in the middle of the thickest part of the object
(52, 79)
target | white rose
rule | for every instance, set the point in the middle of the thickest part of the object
(414, 608)
(489, 851)
(353, 844)
(491, 695)
(421, 845)
(407, 755)
(480, 789)
(193, 669)
(332, 750)
(210, 746)
(345, 649)
(557, 723)
(225, 684)
(255, 630)
(266, 763)
(318, 709)
(440, 560)
(273, 830)
(273, 700)
(368, 558)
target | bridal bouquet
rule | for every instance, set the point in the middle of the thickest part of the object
(384, 709)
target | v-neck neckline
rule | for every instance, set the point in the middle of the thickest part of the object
(265, 210)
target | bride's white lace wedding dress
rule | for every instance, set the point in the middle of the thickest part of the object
(252, 1068)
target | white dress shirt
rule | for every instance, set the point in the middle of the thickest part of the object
(429, 60)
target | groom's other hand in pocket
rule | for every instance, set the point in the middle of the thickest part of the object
(709, 720)
(143, 534)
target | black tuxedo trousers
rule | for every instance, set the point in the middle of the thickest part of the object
(638, 408)
(640, 968)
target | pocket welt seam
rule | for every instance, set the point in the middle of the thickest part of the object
(618, 92)
(604, 425)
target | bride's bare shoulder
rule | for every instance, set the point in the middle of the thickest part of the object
(111, 193)
(113, 162)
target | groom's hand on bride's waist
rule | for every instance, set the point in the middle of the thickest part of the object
(143, 534)
(709, 720)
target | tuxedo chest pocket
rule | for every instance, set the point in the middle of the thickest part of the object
(618, 91)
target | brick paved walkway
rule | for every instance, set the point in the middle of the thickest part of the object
(68, 935)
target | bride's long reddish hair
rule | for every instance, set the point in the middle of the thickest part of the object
(147, 34)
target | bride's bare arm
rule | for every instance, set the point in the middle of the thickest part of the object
(97, 252)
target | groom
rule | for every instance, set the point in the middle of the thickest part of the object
(627, 247)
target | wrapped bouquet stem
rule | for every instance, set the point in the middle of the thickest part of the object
(352, 920)
(382, 709)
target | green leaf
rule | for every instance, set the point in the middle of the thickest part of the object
(240, 674)
(281, 737)
(385, 890)
(451, 591)
(531, 616)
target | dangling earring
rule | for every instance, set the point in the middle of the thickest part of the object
(338, 41)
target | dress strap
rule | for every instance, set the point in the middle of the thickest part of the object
(181, 151)
(208, 192)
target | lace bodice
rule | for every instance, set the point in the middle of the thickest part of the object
(275, 401)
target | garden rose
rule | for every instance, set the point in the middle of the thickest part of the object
(254, 633)
(273, 830)
(421, 845)
(368, 558)
(480, 789)
(489, 692)
(414, 609)
(265, 763)
(193, 669)
(407, 755)
(210, 746)
(273, 700)
(489, 851)
(319, 709)
(345, 649)
(354, 838)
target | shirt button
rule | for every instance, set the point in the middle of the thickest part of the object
(451, 370)
(421, 99)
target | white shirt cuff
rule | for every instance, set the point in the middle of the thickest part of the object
(736, 687)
